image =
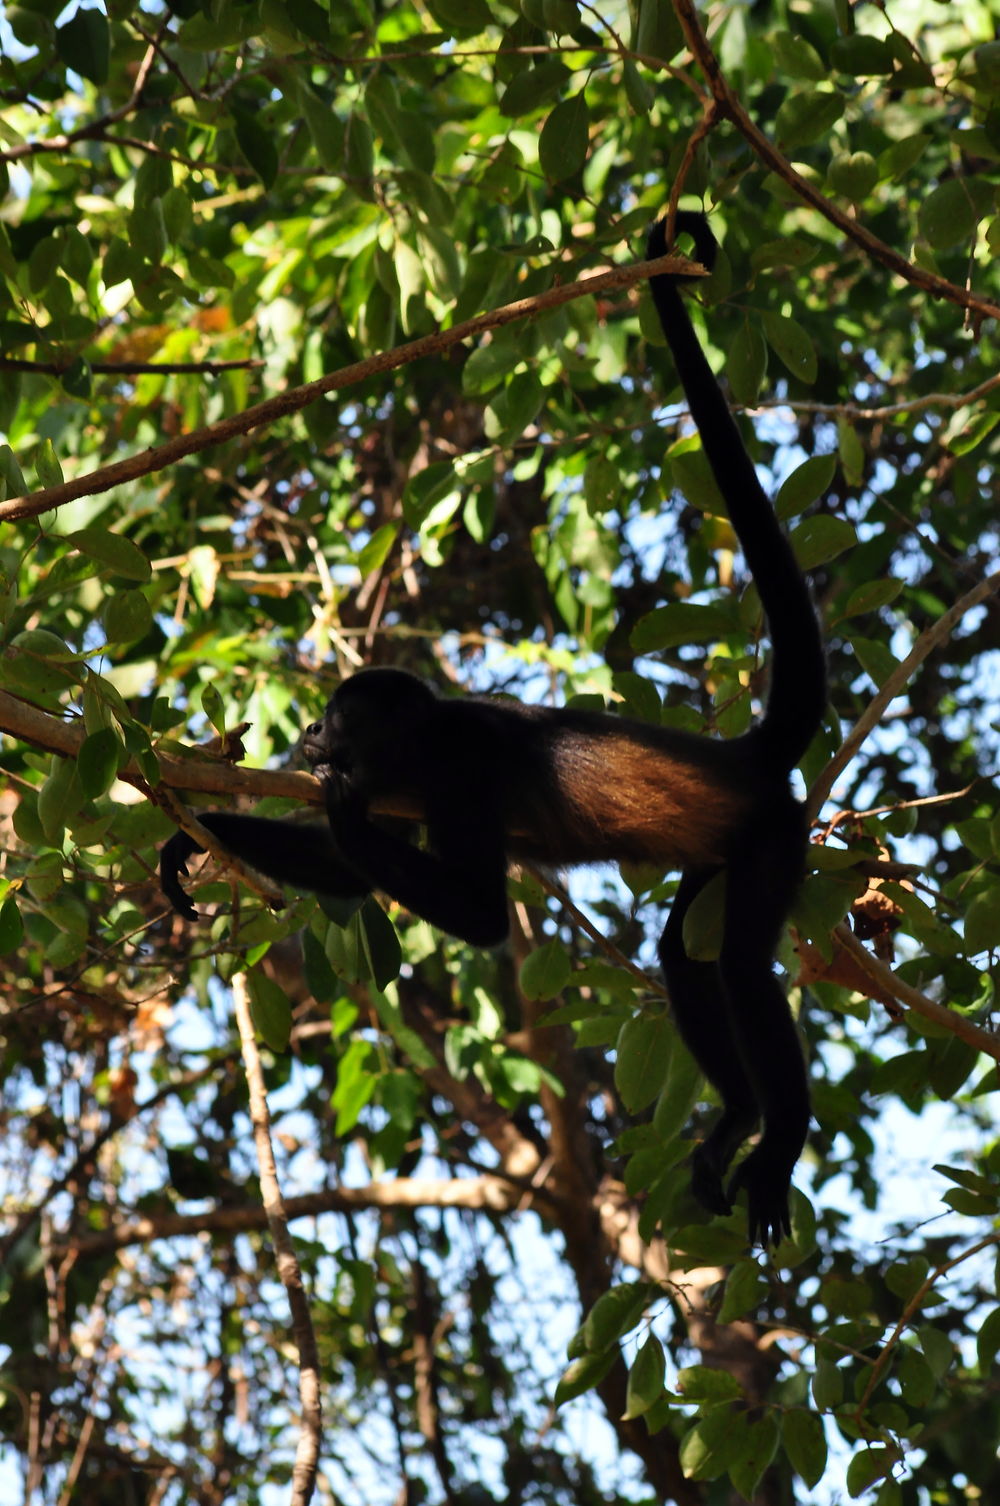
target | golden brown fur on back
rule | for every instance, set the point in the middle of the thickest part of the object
(623, 799)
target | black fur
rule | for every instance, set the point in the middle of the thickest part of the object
(500, 781)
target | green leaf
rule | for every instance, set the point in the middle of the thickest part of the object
(11, 926)
(797, 57)
(98, 762)
(746, 1288)
(127, 617)
(861, 56)
(827, 1385)
(39, 662)
(602, 485)
(561, 16)
(791, 345)
(47, 466)
(43, 263)
(357, 1079)
(988, 1342)
(714, 1444)
(375, 553)
(703, 1383)
(704, 919)
(867, 1466)
(638, 92)
(916, 1379)
(381, 944)
(59, 798)
(583, 1375)
(613, 1315)
(806, 483)
(84, 44)
(804, 118)
(747, 364)
(759, 1448)
(530, 89)
(982, 922)
(545, 971)
(645, 1378)
(565, 138)
(820, 539)
(870, 597)
(875, 659)
(948, 214)
(10, 473)
(359, 148)
(112, 550)
(257, 144)
(805, 1444)
(895, 162)
(148, 231)
(643, 1053)
(681, 1089)
(658, 34)
(681, 622)
(461, 18)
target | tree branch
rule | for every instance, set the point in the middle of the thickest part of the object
(730, 106)
(145, 462)
(311, 1428)
(869, 719)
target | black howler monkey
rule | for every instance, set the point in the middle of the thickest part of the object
(500, 781)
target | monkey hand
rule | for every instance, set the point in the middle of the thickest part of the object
(706, 1182)
(767, 1180)
(173, 863)
(346, 804)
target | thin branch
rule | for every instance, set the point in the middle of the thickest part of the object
(585, 924)
(913, 1304)
(489, 1193)
(869, 719)
(94, 127)
(311, 1430)
(134, 368)
(890, 983)
(730, 106)
(889, 410)
(213, 776)
(295, 399)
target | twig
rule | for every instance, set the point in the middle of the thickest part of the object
(869, 719)
(134, 368)
(310, 1434)
(912, 1305)
(730, 106)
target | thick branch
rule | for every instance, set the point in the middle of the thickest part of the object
(493, 1194)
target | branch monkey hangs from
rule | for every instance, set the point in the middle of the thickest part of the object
(499, 781)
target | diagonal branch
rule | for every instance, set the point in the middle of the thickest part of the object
(145, 462)
(866, 723)
(729, 106)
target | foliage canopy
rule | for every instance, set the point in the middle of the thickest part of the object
(209, 206)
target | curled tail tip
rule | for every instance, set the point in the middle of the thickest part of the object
(686, 222)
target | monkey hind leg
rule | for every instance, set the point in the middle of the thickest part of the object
(763, 878)
(703, 1015)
